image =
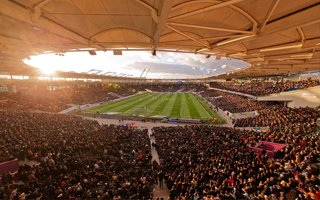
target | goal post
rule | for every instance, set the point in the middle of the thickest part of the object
(140, 111)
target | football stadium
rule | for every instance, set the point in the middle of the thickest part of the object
(160, 99)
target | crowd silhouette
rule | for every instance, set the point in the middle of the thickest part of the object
(203, 162)
(77, 158)
(69, 157)
(261, 88)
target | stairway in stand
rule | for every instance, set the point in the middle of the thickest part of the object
(158, 192)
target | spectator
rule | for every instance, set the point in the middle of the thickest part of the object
(78, 159)
(260, 88)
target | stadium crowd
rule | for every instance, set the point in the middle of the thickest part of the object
(77, 158)
(203, 162)
(232, 102)
(80, 159)
(52, 101)
(260, 88)
(167, 87)
(277, 115)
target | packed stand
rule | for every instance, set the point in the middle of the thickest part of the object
(6, 103)
(278, 115)
(168, 87)
(55, 100)
(78, 159)
(232, 102)
(203, 162)
(260, 88)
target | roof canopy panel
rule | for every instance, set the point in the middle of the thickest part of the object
(273, 36)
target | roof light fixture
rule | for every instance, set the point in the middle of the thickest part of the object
(235, 39)
(277, 48)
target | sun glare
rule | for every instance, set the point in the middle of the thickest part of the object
(47, 70)
(45, 65)
(132, 64)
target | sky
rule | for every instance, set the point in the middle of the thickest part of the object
(165, 65)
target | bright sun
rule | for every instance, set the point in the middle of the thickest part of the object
(42, 63)
(47, 70)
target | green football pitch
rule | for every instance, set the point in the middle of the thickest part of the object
(178, 105)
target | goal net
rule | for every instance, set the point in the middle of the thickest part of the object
(140, 111)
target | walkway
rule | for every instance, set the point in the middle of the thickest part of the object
(154, 153)
(233, 92)
(158, 192)
(70, 109)
(138, 124)
(227, 119)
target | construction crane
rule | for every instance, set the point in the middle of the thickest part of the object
(145, 71)
(148, 70)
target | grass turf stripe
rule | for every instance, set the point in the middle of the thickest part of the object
(123, 105)
(151, 108)
(184, 110)
(201, 110)
(209, 110)
(193, 110)
(159, 105)
(167, 109)
(127, 106)
(110, 105)
(143, 104)
(175, 112)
